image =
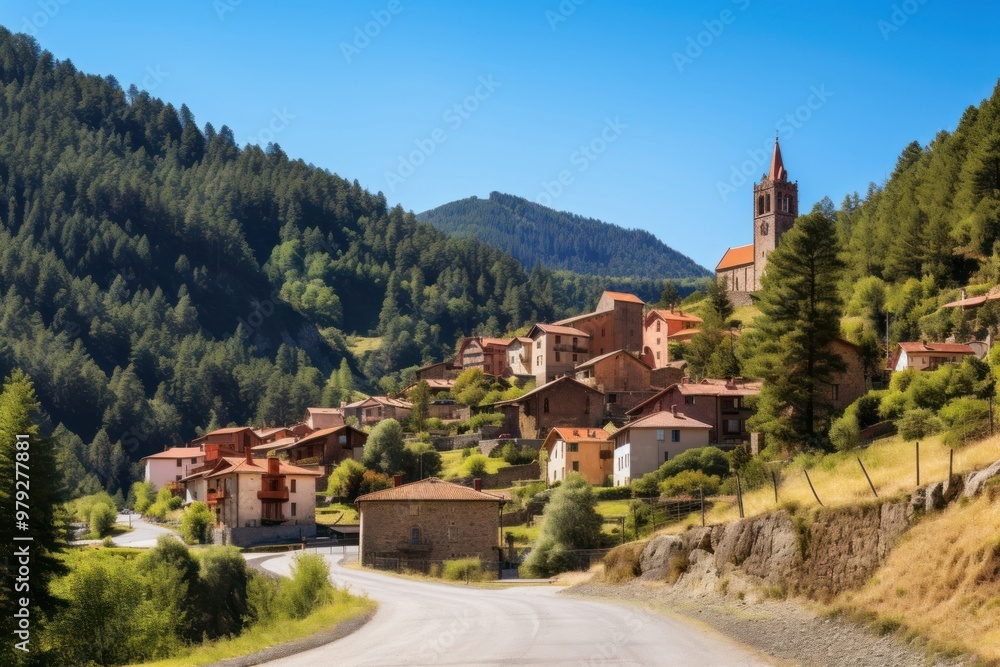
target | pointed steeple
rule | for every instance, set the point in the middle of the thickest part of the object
(777, 172)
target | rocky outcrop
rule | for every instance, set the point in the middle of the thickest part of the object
(659, 556)
(976, 482)
(765, 547)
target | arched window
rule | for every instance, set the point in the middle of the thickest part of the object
(545, 405)
(760, 204)
(767, 204)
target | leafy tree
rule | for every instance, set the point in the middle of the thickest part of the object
(195, 522)
(345, 480)
(222, 591)
(144, 494)
(384, 448)
(102, 520)
(420, 397)
(800, 318)
(669, 295)
(571, 522)
(421, 460)
(471, 386)
(710, 460)
(373, 481)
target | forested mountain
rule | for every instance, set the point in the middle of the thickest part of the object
(558, 240)
(932, 228)
(155, 278)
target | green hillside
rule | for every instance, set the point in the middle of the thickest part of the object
(535, 234)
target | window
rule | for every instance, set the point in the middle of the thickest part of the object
(557, 355)
(574, 357)
(558, 339)
(293, 509)
(574, 447)
(731, 426)
(194, 460)
(767, 204)
(657, 341)
(689, 400)
(657, 354)
(760, 204)
(178, 463)
(675, 435)
(737, 283)
(660, 435)
(657, 329)
(602, 331)
(415, 535)
(538, 360)
(574, 341)
(292, 486)
(836, 392)
(545, 405)
(576, 466)
(612, 398)
(177, 478)
(274, 485)
(666, 456)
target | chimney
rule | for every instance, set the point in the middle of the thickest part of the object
(673, 409)
(477, 484)
(249, 454)
(272, 465)
(397, 480)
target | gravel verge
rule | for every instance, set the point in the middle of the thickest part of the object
(783, 630)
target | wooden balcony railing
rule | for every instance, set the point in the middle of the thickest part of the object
(280, 494)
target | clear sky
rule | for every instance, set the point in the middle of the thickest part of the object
(645, 110)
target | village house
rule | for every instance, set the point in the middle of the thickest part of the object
(644, 445)
(374, 409)
(437, 387)
(255, 500)
(415, 525)
(721, 404)
(563, 402)
(171, 465)
(442, 370)
(489, 354)
(924, 356)
(235, 439)
(658, 327)
(775, 207)
(519, 357)
(615, 324)
(588, 451)
(326, 447)
(317, 418)
(556, 351)
(622, 377)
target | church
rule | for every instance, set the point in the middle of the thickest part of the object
(776, 205)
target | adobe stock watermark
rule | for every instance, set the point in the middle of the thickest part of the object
(454, 117)
(280, 120)
(153, 78)
(223, 7)
(581, 159)
(562, 12)
(787, 125)
(363, 35)
(697, 44)
(900, 14)
(47, 10)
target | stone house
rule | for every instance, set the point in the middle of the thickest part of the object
(588, 451)
(658, 327)
(421, 523)
(644, 445)
(442, 370)
(924, 356)
(622, 377)
(615, 323)
(563, 402)
(255, 500)
(556, 350)
(489, 354)
(722, 404)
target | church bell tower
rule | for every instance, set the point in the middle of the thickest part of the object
(776, 205)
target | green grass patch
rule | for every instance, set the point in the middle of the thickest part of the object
(613, 508)
(358, 345)
(342, 608)
(453, 465)
(337, 513)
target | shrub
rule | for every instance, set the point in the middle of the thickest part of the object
(688, 482)
(102, 520)
(262, 600)
(513, 454)
(647, 486)
(223, 581)
(967, 418)
(845, 434)
(485, 419)
(475, 465)
(463, 569)
(528, 491)
(613, 492)
(309, 586)
(345, 480)
(571, 522)
(621, 564)
(144, 494)
(81, 508)
(421, 459)
(195, 522)
(638, 516)
(918, 423)
(373, 481)
(158, 511)
(710, 460)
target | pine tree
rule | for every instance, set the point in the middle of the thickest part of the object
(42, 492)
(800, 317)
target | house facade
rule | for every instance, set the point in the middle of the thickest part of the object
(923, 356)
(374, 409)
(644, 445)
(721, 404)
(172, 465)
(489, 354)
(556, 350)
(615, 324)
(236, 439)
(442, 370)
(587, 451)
(317, 418)
(414, 525)
(326, 447)
(622, 377)
(658, 326)
(563, 402)
(519, 357)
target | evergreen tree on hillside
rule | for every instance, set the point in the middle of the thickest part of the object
(800, 317)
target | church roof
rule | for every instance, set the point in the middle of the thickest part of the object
(777, 172)
(734, 257)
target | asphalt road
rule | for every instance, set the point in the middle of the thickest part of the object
(421, 623)
(144, 535)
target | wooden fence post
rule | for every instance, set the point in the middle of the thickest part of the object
(812, 488)
(739, 494)
(918, 463)
(774, 481)
(867, 477)
(701, 494)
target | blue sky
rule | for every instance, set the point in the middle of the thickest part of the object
(638, 113)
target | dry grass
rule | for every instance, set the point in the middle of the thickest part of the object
(942, 580)
(839, 481)
(621, 564)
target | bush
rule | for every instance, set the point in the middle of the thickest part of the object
(513, 454)
(223, 581)
(709, 460)
(309, 586)
(102, 520)
(485, 419)
(82, 508)
(918, 423)
(647, 486)
(475, 465)
(373, 481)
(345, 480)
(528, 491)
(157, 511)
(463, 569)
(421, 459)
(613, 492)
(195, 522)
(688, 482)
(262, 600)
(144, 493)
(967, 418)
(571, 522)
(845, 434)
(621, 564)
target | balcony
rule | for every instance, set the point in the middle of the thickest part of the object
(410, 546)
(562, 347)
(215, 496)
(280, 494)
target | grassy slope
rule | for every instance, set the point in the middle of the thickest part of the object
(942, 580)
(337, 513)
(452, 465)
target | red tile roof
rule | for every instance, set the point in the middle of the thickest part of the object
(684, 334)
(224, 431)
(665, 419)
(777, 172)
(431, 488)
(274, 444)
(624, 296)
(238, 465)
(947, 348)
(176, 453)
(734, 257)
(707, 387)
(546, 387)
(562, 330)
(580, 434)
(591, 362)
(675, 316)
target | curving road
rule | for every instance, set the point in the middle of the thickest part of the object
(144, 534)
(422, 623)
